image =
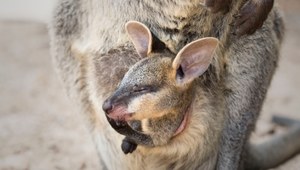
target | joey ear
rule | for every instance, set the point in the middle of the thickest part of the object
(141, 37)
(194, 59)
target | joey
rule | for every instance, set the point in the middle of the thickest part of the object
(157, 94)
(157, 91)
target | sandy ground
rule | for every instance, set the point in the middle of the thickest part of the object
(39, 130)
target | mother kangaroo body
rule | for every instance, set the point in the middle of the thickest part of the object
(84, 30)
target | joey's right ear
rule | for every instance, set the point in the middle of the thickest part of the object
(140, 36)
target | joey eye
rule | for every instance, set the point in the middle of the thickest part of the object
(142, 89)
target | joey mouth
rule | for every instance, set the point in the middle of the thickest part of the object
(119, 114)
(135, 125)
(150, 131)
(134, 136)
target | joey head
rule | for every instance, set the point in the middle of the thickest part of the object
(151, 105)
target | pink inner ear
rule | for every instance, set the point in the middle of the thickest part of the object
(194, 70)
(144, 43)
(196, 62)
(195, 58)
(140, 36)
(140, 40)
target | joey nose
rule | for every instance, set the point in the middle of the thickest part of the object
(107, 106)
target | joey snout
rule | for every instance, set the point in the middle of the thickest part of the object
(116, 111)
(107, 106)
(119, 113)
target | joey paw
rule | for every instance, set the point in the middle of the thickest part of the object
(128, 146)
(251, 16)
(218, 5)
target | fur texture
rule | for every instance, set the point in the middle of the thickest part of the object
(82, 31)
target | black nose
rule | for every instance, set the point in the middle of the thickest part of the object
(107, 106)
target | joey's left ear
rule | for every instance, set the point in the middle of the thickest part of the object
(194, 59)
(140, 36)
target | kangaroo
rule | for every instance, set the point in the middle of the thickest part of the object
(83, 29)
(162, 105)
(174, 115)
(166, 111)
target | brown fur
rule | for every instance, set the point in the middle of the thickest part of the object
(203, 117)
(245, 65)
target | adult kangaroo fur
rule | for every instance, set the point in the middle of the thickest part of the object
(86, 32)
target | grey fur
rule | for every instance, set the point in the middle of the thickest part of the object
(81, 31)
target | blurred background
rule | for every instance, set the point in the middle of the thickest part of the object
(39, 128)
